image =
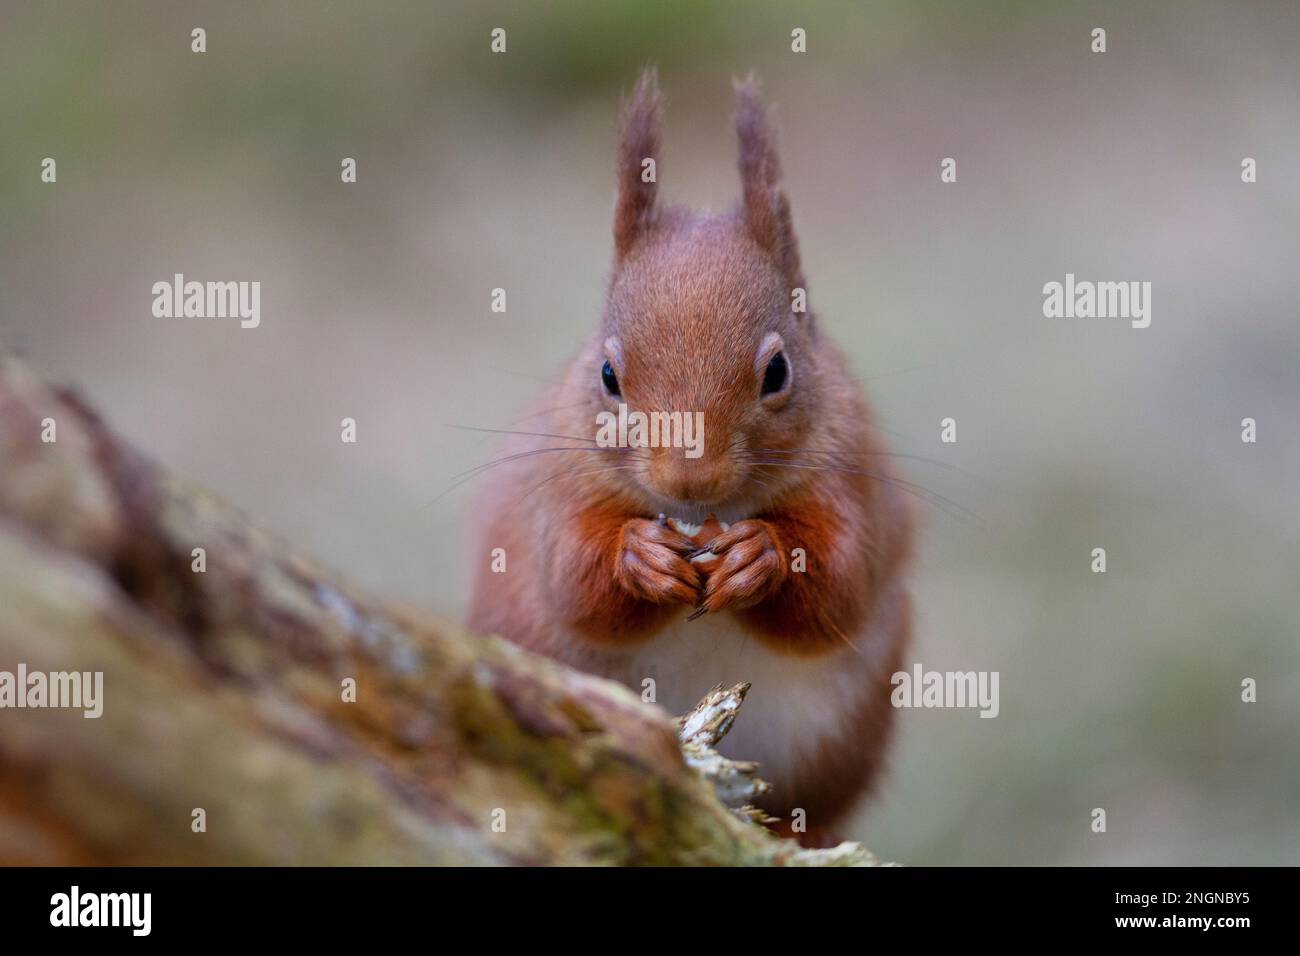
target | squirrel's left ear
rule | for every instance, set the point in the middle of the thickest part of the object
(767, 211)
(638, 155)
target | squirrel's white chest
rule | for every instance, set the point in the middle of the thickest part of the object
(792, 704)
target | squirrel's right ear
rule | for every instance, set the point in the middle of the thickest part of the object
(765, 207)
(638, 151)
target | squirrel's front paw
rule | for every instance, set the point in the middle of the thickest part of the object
(750, 569)
(652, 563)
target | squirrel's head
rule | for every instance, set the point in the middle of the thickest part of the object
(708, 314)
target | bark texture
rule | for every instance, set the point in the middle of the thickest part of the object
(224, 691)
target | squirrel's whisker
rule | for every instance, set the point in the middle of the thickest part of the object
(883, 454)
(572, 474)
(918, 491)
(508, 431)
(530, 453)
(465, 476)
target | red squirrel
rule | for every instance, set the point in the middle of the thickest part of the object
(803, 594)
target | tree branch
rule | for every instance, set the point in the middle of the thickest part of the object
(224, 691)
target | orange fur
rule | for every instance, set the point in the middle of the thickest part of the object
(592, 575)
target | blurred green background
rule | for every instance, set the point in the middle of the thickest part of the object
(1119, 691)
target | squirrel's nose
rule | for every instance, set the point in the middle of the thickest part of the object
(702, 479)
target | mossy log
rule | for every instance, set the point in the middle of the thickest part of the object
(226, 690)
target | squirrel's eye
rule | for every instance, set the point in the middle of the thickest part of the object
(778, 370)
(609, 379)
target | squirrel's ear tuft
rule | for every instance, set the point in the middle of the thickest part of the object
(767, 211)
(638, 141)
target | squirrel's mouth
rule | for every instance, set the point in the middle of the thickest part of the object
(697, 512)
(699, 534)
(730, 496)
